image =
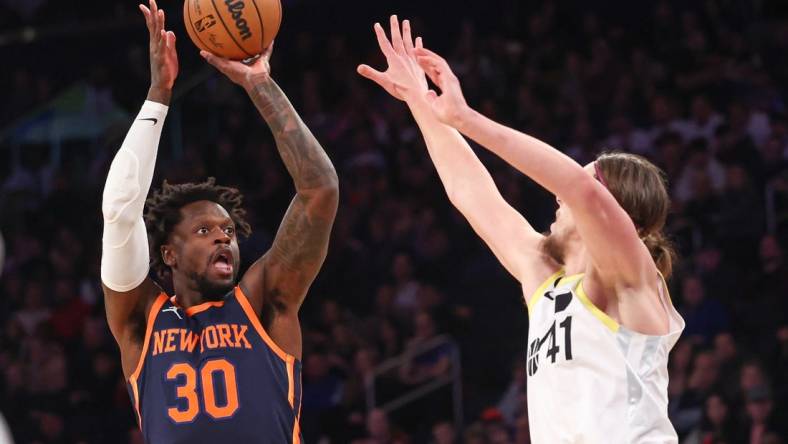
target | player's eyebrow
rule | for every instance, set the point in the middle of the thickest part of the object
(208, 219)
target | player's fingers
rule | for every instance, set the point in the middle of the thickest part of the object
(383, 42)
(160, 20)
(154, 16)
(423, 60)
(267, 51)
(424, 52)
(169, 39)
(437, 61)
(429, 68)
(218, 62)
(147, 14)
(372, 74)
(431, 58)
(396, 36)
(407, 38)
(419, 42)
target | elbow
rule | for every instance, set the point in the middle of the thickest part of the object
(327, 181)
(123, 199)
(332, 195)
(457, 193)
(327, 194)
(457, 198)
(323, 187)
(120, 211)
(330, 188)
(584, 191)
(466, 197)
(332, 181)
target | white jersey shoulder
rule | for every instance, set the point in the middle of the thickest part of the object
(591, 380)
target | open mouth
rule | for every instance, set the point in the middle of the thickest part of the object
(223, 263)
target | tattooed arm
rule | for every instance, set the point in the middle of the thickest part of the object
(283, 275)
(300, 245)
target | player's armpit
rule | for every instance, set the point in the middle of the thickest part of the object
(127, 318)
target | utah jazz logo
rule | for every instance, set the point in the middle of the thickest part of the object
(204, 23)
(562, 301)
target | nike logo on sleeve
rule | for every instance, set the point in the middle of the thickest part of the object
(152, 119)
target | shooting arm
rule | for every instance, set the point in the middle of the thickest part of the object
(301, 243)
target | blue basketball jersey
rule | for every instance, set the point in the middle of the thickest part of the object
(211, 374)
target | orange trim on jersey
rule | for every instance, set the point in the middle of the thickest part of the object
(297, 428)
(291, 381)
(255, 320)
(154, 311)
(191, 311)
(136, 393)
(199, 308)
(297, 425)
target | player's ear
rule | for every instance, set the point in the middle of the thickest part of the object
(168, 255)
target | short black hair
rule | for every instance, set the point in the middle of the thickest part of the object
(163, 212)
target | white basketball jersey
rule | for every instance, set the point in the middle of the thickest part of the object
(591, 380)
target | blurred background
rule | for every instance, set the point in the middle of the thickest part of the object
(413, 333)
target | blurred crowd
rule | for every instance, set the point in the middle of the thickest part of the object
(697, 87)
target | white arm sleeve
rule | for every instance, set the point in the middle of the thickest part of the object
(125, 258)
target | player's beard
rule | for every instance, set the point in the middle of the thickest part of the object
(211, 291)
(554, 247)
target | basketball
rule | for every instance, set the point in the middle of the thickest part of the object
(234, 29)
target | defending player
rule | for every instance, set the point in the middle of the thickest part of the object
(219, 360)
(601, 321)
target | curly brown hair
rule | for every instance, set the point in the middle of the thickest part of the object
(163, 212)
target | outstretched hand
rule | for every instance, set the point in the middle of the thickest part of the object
(163, 56)
(242, 73)
(404, 78)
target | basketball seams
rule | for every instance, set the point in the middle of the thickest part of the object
(260, 19)
(226, 28)
(191, 23)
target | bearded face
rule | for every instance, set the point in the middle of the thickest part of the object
(555, 242)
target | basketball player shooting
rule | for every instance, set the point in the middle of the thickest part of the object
(220, 360)
(601, 321)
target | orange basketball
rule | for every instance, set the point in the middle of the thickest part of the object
(235, 29)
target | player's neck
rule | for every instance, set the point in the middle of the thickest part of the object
(187, 292)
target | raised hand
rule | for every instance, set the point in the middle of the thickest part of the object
(163, 56)
(450, 105)
(244, 74)
(404, 78)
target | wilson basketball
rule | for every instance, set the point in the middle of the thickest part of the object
(234, 29)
